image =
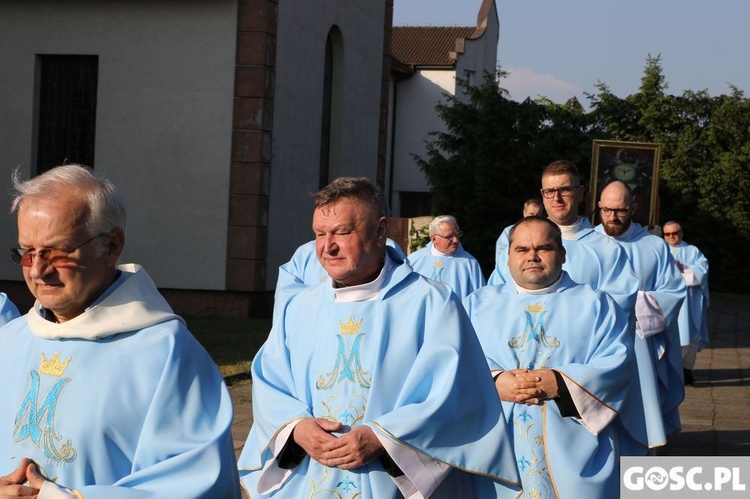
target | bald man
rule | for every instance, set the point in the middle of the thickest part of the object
(661, 292)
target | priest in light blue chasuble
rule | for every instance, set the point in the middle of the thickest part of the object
(105, 393)
(562, 357)
(373, 384)
(661, 292)
(444, 259)
(692, 321)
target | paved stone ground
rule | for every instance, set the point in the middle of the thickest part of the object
(715, 414)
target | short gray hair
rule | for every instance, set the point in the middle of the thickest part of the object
(106, 209)
(441, 219)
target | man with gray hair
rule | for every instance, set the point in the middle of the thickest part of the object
(444, 259)
(106, 394)
(372, 383)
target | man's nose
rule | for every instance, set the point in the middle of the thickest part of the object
(329, 244)
(39, 267)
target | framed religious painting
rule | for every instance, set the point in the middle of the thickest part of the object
(634, 163)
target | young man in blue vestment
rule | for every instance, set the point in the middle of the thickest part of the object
(692, 321)
(445, 260)
(372, 384)
(591, 258)
(562, 357)
(661, 292)
(106, 394)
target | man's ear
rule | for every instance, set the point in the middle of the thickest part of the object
(114, 246)
(381, 232)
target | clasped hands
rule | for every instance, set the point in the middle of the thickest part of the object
(527, 386)
(351, 450)
(11, 485)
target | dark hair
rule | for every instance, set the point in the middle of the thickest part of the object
(359, 188)
(556, 233)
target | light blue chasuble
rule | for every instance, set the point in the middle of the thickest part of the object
(120, 402)
(659, 356)
(406, 363)
(8, 310)
(583, 334)
(501, 245)
(460, 271)
(692, 320)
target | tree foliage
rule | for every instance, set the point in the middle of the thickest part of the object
(489, 160)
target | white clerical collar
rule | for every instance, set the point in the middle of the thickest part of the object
(363, 292)
(570, 231)
(434, 252)
(549, 289)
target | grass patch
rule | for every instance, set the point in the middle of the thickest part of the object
(231, 341)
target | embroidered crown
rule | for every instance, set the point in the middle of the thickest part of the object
(535, 308)
(53, 367)
(350, 327)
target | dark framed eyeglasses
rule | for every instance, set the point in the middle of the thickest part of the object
(457, 234)
(672, 234)
(55, 257)
(617, 211)
(565, 191)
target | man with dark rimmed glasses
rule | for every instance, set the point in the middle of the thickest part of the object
(661, 293)
(105, 392)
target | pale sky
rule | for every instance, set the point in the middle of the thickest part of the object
(559, 48)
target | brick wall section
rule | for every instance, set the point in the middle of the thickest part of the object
(252, 128)
(384, 90)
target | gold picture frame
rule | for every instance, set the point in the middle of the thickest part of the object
(636, 164)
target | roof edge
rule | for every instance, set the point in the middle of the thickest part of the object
(483, 19)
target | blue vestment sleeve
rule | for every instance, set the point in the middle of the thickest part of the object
(8, 310)
(185, 447)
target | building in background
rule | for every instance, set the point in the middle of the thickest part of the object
(427, 63)
(217, 120)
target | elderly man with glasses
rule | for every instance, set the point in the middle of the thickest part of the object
(105, 392)
(445, 260)
(692, 321)
(661, 293)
